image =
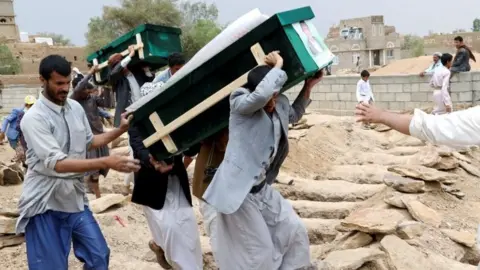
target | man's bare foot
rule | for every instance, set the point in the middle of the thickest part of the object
(160, 255)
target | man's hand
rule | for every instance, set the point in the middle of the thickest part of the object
(274, 59)
(311, 82)
(160, 166)
(93, 70)
(422, 74)
(125, 121)
(131, 49)
(368, 113)
(122, 163)
(448, 108)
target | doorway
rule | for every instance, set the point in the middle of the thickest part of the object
(376, 57)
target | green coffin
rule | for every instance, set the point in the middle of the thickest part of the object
(276, 33)
(159, 42)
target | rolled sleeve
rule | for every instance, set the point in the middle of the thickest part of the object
(458, 129)
(40, 139)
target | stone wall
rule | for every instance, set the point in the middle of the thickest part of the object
(13, 95)
(336, 94)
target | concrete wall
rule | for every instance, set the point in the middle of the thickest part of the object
(336, 94)
(12, 96)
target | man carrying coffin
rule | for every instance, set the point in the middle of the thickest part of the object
(257, 228)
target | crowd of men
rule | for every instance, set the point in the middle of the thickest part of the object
(250, 224)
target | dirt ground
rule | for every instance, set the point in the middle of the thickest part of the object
(337, 168)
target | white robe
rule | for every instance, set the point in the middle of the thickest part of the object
(174, 229)
(209, 215)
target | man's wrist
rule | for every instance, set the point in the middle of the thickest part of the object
(103, 163)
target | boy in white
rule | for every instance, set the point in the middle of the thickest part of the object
(440, 82)
(364, 92)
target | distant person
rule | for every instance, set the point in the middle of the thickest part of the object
(364, 92)
(358, 64)
(461, 62)
(440, 82)
(9, 125)
(175, 62)
(436, 63)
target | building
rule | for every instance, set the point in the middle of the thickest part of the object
(29, 51)
(444, 42)
(8, 26)
(365, 40)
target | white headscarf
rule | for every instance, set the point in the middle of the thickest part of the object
(439, 54)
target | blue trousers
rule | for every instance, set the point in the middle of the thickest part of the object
(49, 237)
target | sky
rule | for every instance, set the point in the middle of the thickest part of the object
(71, 18)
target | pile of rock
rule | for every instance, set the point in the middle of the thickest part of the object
(8, 220)
(404, 233)
(11, 174)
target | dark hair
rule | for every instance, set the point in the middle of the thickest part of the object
(365, 73)
(176, 59)
(446, 57)
(255, 77)
(76, 80)
(54, 63)
(458, 38)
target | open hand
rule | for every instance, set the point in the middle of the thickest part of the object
(160, 166)
(368, 113)
(312, 81)
(123, 164)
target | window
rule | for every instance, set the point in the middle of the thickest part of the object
(374, 30)
(381, 32)
(355, 57)
(390, 54)
(335, 60)
(74, 58)
(3, 20)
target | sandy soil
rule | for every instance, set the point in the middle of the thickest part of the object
(337, 167)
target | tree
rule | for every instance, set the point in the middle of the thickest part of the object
(414, 44)
(197, 20)
(9, 65)
(58, 39)
(476, 25)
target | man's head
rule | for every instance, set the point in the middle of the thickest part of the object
(55, 76)
(29, 101)
(175, 62)
(254, 78)
(458, 41)
(89, 88)
(446, 60)
(365, 75)
(436, 57)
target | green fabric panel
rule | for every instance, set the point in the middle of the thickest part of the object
(295, 15)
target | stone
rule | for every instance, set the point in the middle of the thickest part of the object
(11, 240)
(434, 240)
(297, 134)
(9, 176)
(382, 128)
(410, 230)
(404, 184)
(423, 213)
(462, 157)
(428, 156)
(321, 231)
(463, 238)
(119, 142)
(406, 257)
(328, 210)
(373, 220)
(9, 213)
(424, 173)
(469, 168)
(106, 201)
(395, 199)
(352, 259)
(445, 151)
(349, 240)
(7, 225)
(446, 164)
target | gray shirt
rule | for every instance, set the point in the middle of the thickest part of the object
(53, 133)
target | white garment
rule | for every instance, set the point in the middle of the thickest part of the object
(458, 129)
(364, 91)
(174, 229)
(440, 81)
(209, 215)
(134, 86)
(264, 233)
(129, 177)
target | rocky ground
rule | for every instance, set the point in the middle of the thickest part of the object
(371, 200)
